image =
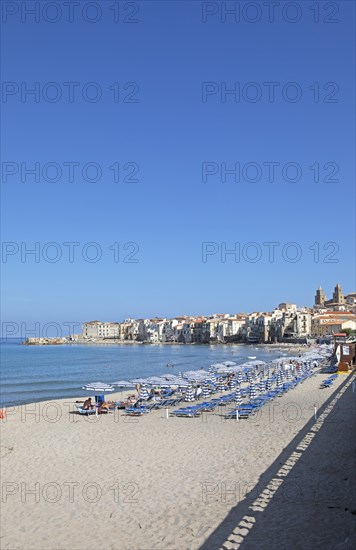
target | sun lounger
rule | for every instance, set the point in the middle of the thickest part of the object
(86, 412)
(326, 383)
(187, 412)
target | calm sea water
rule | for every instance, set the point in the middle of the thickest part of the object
(38, 373)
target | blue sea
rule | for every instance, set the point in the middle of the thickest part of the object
(38, 373)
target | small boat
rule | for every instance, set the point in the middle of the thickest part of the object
(169, 365)
(254, 357)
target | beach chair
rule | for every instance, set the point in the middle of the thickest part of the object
(86, 412)
(187, 413)
(244, 412)
(136, 411)
(326, 384)
(194, 410)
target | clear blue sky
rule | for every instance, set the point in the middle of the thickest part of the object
(169, 132)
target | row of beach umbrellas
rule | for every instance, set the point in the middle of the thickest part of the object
(281, 369)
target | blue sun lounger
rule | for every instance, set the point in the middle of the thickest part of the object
(188, 412)
(244, 411)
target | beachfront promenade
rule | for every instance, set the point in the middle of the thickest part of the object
(184, 483)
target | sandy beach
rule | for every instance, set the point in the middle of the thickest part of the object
(117, 483)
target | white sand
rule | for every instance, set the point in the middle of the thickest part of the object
(113, 482)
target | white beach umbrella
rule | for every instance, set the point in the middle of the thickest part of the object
(98, 387)
(189, 394)
(221, 385)
(144, 395)
(137, 381)
(252, 392)
(170, 376)
(122, 384)
(205, 391)
(237, 396)
(279, 380)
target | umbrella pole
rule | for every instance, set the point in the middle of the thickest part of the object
(237, 415)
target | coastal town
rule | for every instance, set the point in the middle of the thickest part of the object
(287, 323)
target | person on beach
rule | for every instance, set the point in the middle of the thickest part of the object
(138, 387)
(105, 406)
(88, 404)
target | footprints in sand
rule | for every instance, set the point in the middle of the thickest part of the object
(5, 450)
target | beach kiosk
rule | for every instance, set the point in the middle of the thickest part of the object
(345, 351)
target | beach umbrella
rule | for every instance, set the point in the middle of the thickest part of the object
(252, 392)
(233, 383)
(262, 385)
(170, 376)
(180, 375)
(289, 376)
(144, 395)
(229, 363)
(98, 387)
(279, 383)
(122, 384)
(240, 377)
(189, 394)
(135, 381)
(269, 384)
(205, 391)
(237, 396)
(221, 385)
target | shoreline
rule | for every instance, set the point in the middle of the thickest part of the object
(283, 345)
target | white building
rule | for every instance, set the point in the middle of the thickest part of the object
(101, 330)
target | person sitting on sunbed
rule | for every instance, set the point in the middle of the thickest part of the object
(88, 404)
